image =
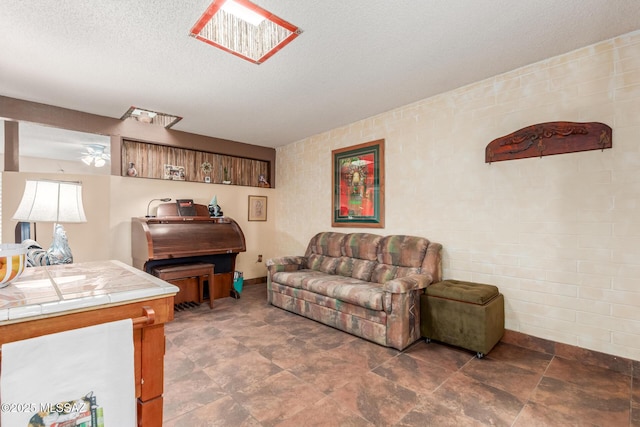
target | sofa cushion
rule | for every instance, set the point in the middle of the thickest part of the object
(356, 268)
(403, 251)
(345, 266)
(347, 289)
(363, 269)
(377, 316)
(328, 243)
(362, 246)
(296, 279)
(382, 273)
(323, 263)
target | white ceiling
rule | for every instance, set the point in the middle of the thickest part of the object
(354, 59)
(53, 143)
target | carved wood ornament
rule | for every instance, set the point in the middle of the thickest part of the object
(545, 139)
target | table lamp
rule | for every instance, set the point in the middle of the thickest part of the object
(57, 202)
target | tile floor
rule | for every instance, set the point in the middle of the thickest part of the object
(246, 363)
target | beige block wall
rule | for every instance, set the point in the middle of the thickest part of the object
(560, 235)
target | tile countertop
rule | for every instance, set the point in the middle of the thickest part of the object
(54, 289)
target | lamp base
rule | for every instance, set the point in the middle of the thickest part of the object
(59, 252)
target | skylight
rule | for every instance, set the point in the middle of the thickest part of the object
(244, 29)
(151, 117)
(242, 12)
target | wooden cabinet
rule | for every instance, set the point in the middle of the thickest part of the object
(80, 302)
(149, 344)
(222, 284)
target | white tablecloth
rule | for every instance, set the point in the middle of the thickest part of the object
(83, 374)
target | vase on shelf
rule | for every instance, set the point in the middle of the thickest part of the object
(132, 170)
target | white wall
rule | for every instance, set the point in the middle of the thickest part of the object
(559, 235)
(111, 201)
(88, 241)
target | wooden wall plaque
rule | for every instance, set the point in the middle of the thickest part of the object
(545, 139)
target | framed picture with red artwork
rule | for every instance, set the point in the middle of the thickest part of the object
(358, 185)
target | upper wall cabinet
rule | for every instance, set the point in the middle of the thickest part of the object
(146, 160)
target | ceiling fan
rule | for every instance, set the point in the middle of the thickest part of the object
(95, 155)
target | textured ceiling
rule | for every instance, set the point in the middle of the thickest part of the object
(354, 59)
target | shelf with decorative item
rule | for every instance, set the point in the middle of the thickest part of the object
(206, 169)
(157, 161)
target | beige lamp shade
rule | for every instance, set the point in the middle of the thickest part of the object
(51, 201)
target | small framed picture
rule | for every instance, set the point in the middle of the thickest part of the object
(207, 179)
(175, 173)
(257, 208)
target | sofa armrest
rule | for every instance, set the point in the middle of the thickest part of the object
(286, 263)
(408, 283)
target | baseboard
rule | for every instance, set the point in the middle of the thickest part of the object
(619, 364)
(256, 281)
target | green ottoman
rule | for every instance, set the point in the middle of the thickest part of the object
(464, 314)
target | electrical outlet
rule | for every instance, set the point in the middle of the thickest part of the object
(259, 258)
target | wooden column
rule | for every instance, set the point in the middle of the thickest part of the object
(11, 146)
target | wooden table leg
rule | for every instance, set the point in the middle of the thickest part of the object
(150, 413)
(152, 369)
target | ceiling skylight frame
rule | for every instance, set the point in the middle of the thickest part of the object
(151, 117)
(202, 29)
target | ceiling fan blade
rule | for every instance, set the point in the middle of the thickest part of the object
(95, 155)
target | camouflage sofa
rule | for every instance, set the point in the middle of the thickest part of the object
(364, 284)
